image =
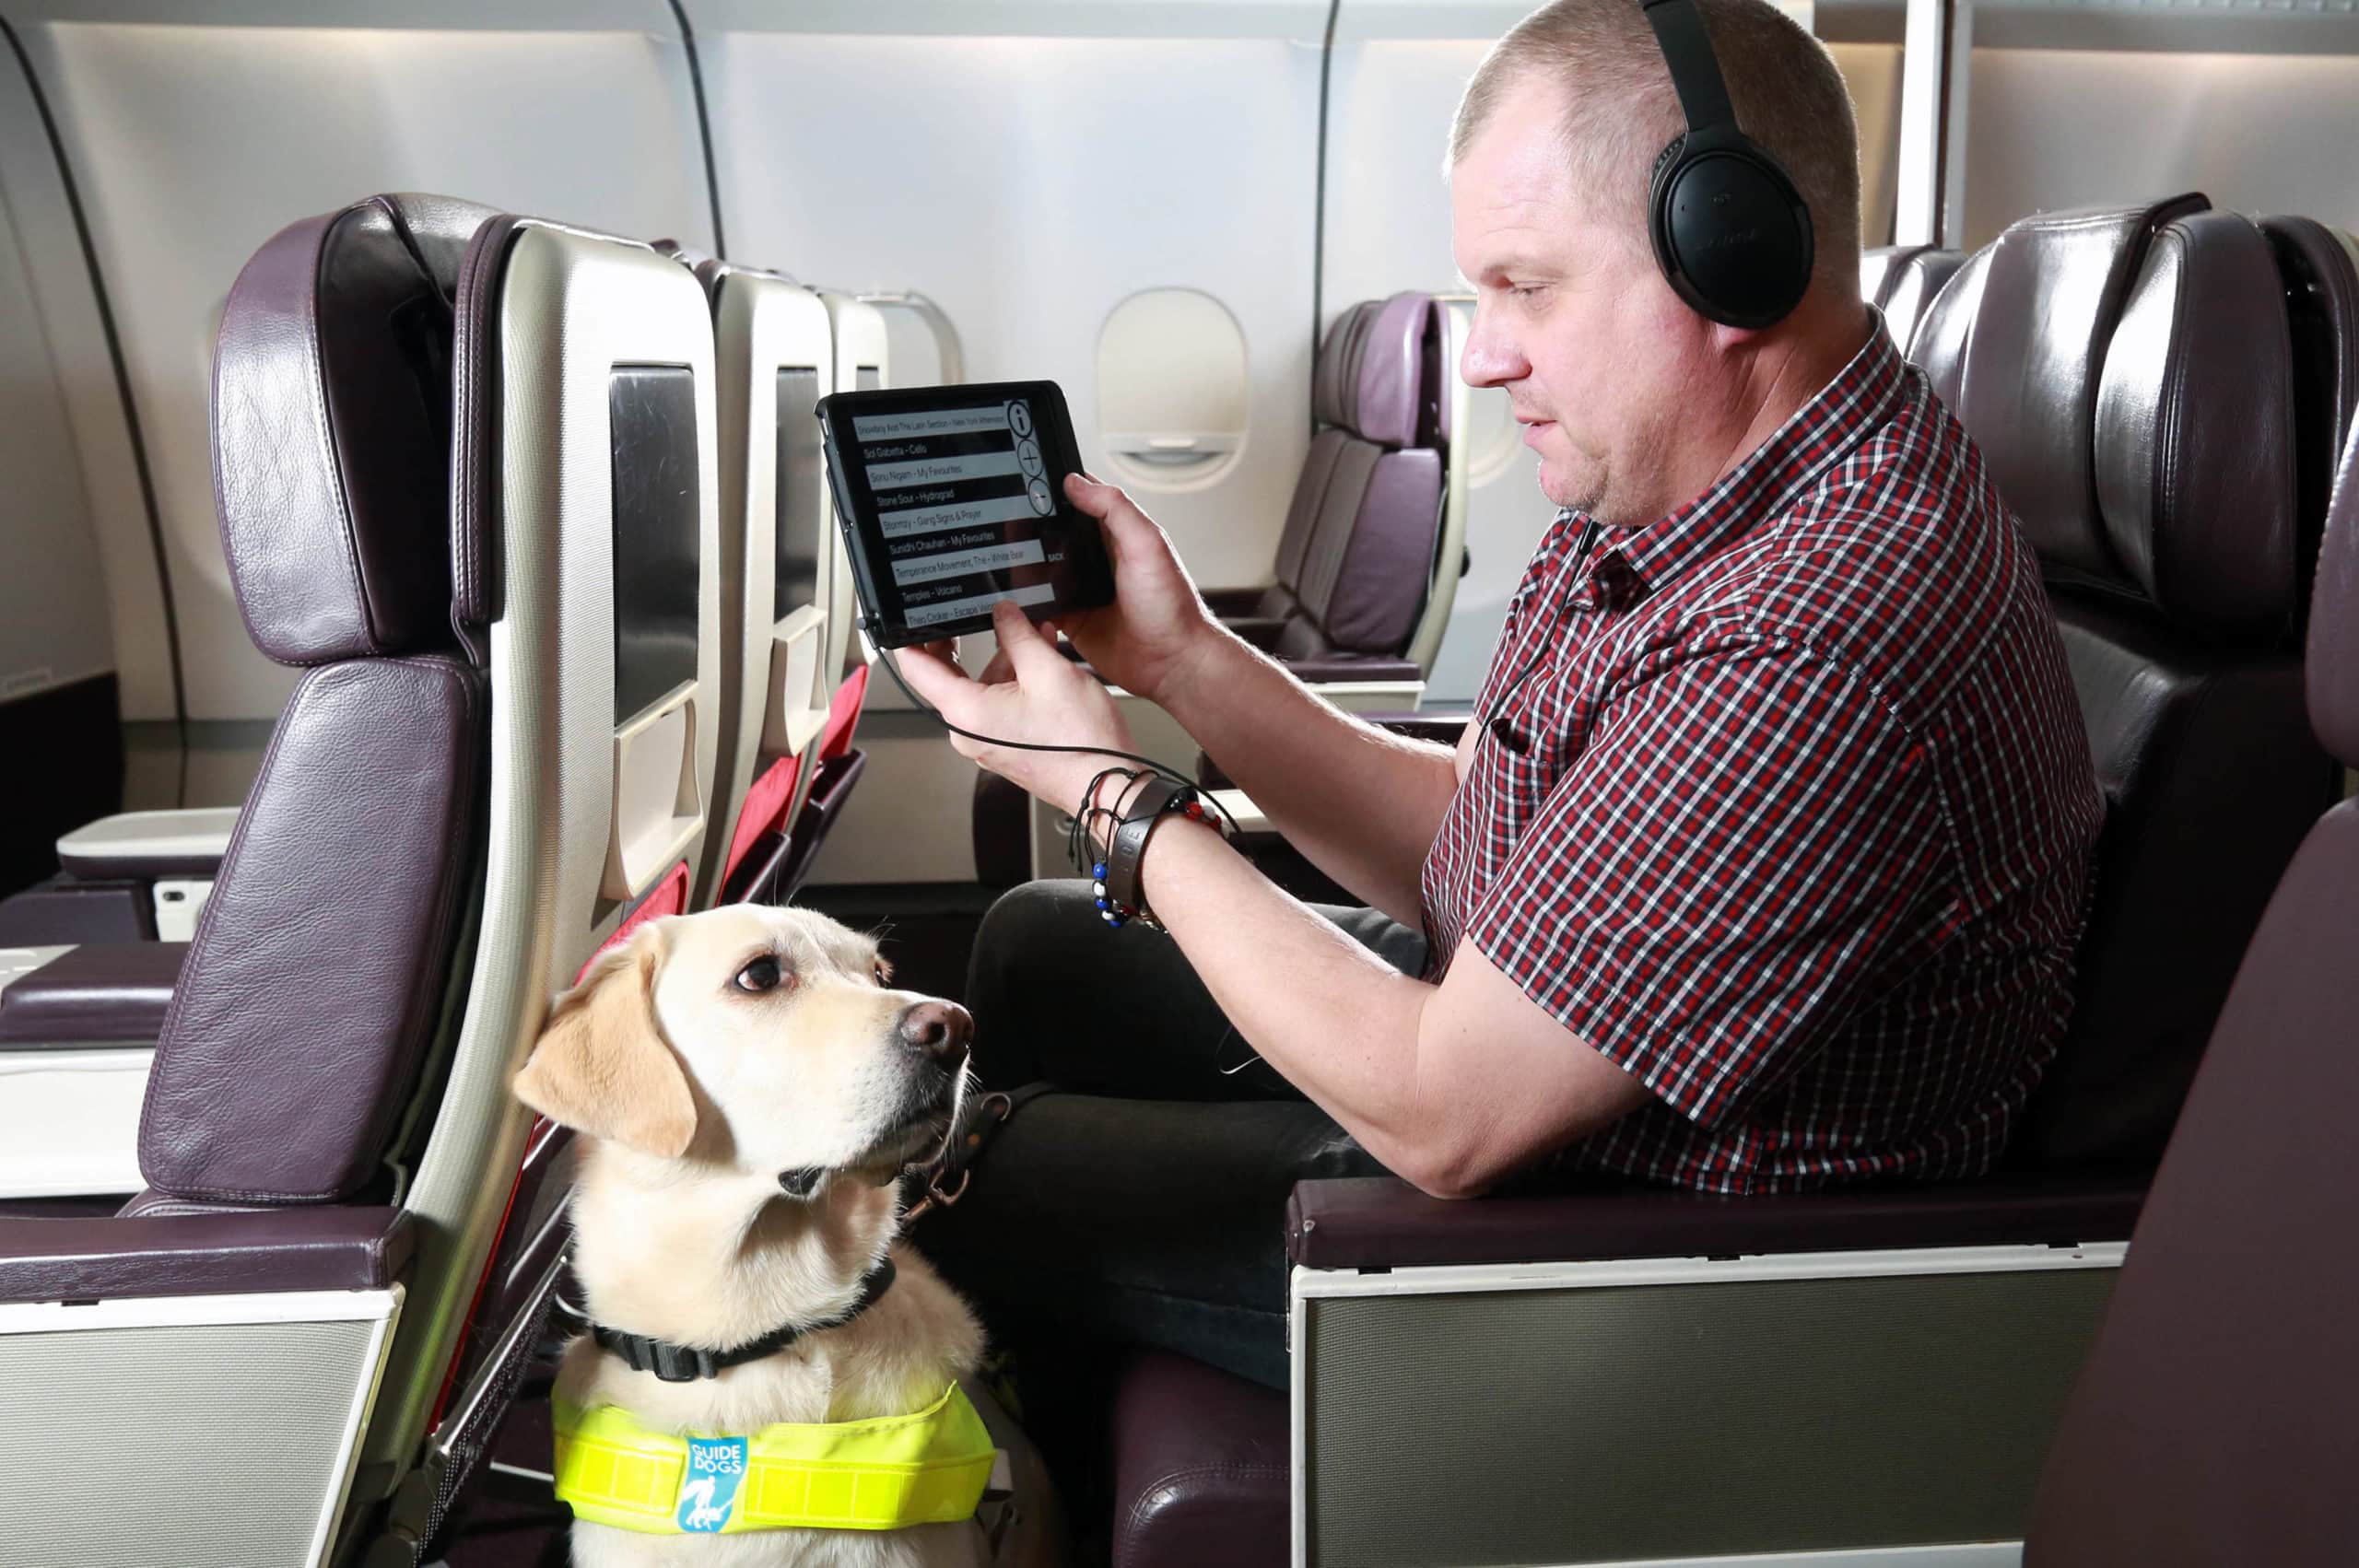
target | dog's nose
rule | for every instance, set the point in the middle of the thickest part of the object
(940, 1029)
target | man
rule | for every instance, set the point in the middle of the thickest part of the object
(1760, 869)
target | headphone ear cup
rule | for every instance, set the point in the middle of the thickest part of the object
(1671, 150)
(1731, 233)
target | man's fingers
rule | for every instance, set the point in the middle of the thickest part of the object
(1129, 531)
(938, 681)
(1028, 654)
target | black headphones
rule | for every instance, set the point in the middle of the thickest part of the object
(1731, 234)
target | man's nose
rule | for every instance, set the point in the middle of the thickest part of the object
(1490, 357)
(942, 1030)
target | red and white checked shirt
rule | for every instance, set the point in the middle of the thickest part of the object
(1802, 835)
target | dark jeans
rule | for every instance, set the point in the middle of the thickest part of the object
(1143, 1201)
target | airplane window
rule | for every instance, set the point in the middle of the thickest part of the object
(651, 414)
(1171, 388)
(797, 563)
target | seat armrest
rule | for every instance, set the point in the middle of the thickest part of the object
(1442, 728)
(1261, 631)
(310, 1249)
(1228, 601)
(102, 991)
(1317, 667)
(1379, 1222)
(143, 845)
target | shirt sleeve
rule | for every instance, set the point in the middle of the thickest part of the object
(1741, 854)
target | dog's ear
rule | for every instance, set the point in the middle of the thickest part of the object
(602, 1065)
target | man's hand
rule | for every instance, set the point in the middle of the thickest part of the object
(1157, 630)
(1029, 691)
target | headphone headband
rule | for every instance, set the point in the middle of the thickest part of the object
(1695, 69)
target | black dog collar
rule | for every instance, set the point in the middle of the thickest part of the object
(683, 1363)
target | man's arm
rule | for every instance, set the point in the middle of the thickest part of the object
(1452, 1086)
(1363, 805)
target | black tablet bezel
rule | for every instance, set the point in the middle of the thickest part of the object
(884, 616)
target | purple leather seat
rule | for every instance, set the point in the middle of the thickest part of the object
(1358, 555)
(2141, 386)
(2131, 378)
(2211, 1423)
(325, 966)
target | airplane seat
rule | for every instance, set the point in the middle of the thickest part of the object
(1879, 264)
(587, 427)
(471, 458)
(1357, 555)
(2130, 378)
(134, 876)
(1900, 280)
(325, 969)
(2319, 267)
(775, 356)
(2211, 1423)
(1916, 283)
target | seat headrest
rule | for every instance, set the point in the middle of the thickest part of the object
(1916, 282)
(2028, 393)
(2197, 489)
(1380, 373)
(1937, 345)
(332, 431)
(2333, 658)
(1878, 265)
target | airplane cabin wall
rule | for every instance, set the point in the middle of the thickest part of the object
(1026, 164)
(1029, 169)
(2050, 128)
(196, 128)
(53, 622)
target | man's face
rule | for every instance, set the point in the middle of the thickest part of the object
(1601, 358)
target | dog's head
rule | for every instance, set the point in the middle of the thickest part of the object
(767, 1040)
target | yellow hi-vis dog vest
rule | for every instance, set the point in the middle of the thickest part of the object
(927, 1468)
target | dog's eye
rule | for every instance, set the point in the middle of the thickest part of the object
(762, 974)
(884, 972)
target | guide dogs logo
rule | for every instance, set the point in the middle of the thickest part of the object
(708, 1490)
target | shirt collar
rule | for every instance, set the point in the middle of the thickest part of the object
(1629, 563)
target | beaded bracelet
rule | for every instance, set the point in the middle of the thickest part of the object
(1119, 896)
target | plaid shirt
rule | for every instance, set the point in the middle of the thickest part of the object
(1799, 830)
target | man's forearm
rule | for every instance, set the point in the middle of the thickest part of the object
(1362, 804)
(1337, 1022)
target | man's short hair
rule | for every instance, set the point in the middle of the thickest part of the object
(1621, 111)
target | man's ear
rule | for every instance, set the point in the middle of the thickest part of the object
(601, 1066)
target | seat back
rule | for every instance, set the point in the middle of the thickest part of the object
(1356, 556)
(775, 356)
(585, 486)
(327, 959)
(2211, 1421)
(2128, 375)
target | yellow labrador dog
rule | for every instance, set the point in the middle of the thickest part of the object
(751, 1088)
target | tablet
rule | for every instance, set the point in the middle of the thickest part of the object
(952, 499)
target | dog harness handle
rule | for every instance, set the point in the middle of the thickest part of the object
(930, 1467)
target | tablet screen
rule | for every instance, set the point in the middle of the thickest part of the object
(956, 494)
